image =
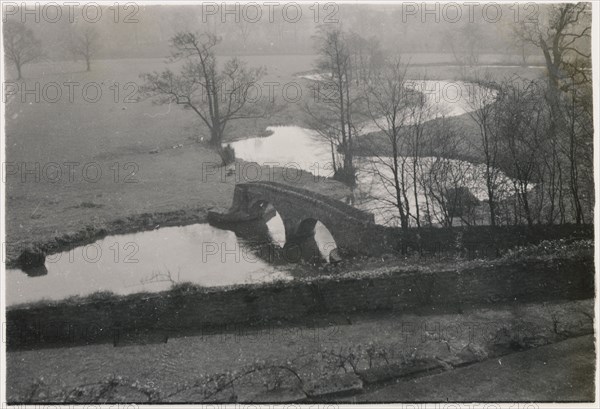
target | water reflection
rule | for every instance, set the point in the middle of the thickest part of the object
(36, 271)
(148, 261)
(153, 261)
(276, 230)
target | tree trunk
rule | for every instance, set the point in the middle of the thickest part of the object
(491, 198)
(573, 168)
(397, 186)
(215, 138)
(415, 187)
(334, 165)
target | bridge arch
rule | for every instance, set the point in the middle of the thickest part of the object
(353, 230)
(275, 227)
(311, 228)
(306, 228)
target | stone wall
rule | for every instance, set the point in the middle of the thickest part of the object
(478, 241)
(197, 309)
(355, 232)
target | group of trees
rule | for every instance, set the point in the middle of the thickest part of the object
(360, 91)
(539, 133)
(216, 96)
(533, 138)
(417, 174)
(22, 47)
(560, 37)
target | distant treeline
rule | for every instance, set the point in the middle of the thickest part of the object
(132, 31)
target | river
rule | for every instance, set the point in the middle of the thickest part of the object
(152, 261)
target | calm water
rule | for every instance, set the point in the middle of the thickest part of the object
(152, 261)
(295, 147)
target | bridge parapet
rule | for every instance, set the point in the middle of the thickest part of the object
(314, 197)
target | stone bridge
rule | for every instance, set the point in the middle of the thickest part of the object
(353, 230)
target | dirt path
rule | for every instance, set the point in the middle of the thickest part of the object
(562, 372)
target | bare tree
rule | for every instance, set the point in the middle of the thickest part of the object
(84, 44)
(520, 127)
(575, 142)
(216, 97)
(419, 113)
(20, 46)
(243, 27)
(388, 100)
(332, 115)
(564, 37)
(481, 100)
(519, 44)
(465, 44)
(366, 56)
(445, 181)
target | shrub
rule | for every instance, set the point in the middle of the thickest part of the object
(227, 155)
